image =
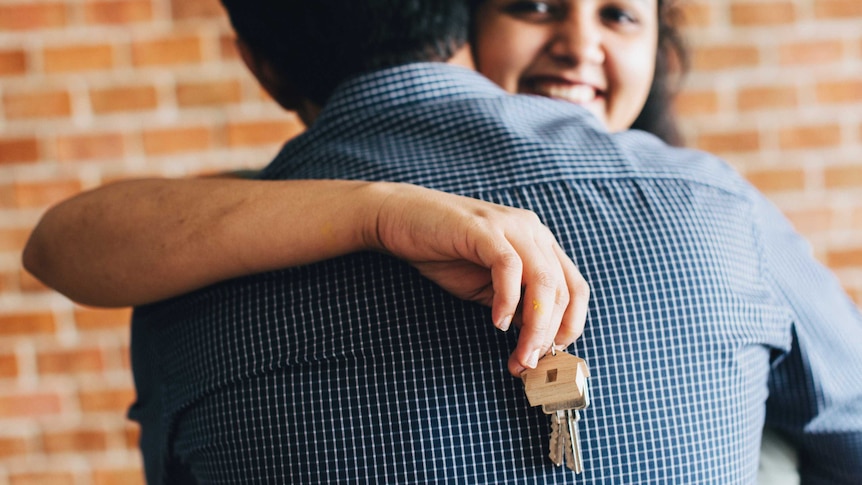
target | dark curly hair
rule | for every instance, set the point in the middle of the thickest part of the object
(671, 64)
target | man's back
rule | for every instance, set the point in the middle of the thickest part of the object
(358, 369)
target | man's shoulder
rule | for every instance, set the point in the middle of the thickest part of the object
(471, 138)
(651, 157)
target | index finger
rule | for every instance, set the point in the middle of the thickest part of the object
(543, 286)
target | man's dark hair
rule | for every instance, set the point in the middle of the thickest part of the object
(317, 44)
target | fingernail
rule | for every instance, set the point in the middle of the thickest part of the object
(533, 361)
(505, 323)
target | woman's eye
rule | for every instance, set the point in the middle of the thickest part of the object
(619, 15)
(532, 10)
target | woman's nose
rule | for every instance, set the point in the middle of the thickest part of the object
(578, 40)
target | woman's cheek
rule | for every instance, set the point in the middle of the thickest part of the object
(499, 67)
(633, 83)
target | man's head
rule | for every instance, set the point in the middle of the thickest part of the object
(305, 48)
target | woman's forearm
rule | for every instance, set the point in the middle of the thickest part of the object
(139, 241)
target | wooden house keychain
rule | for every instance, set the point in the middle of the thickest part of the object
(559, 385)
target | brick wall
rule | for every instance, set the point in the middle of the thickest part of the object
(93, 91)
(776, 89)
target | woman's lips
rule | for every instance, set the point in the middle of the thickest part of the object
(572, 92)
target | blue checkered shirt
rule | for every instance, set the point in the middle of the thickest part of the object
(709, 317)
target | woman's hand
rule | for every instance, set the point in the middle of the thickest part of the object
(495, 255)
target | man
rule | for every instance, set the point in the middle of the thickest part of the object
(708, 316)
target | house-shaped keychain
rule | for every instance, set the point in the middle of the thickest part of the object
(556, 375)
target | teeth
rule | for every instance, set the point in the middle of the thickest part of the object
(579, 93)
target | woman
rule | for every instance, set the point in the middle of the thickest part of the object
(608, 56)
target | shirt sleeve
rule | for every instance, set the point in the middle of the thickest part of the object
(815, 389)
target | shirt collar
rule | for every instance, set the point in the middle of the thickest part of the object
(407, 84)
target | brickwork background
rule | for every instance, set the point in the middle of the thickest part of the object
(92, 91)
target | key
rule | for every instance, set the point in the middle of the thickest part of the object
(557, 452)
(574, 458)
(567, 445)
(559, 385)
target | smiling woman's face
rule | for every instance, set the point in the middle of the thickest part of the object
(596, 53)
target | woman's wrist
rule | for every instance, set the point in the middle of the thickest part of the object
(374, 202)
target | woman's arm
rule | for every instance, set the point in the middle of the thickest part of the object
(140, 241)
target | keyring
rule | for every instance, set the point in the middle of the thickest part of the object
(554, 348)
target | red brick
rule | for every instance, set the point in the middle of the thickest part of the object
(696, 14)
(762, 13)
(89, 147)
(78, 360)
(126, 357)
(118, 12)
(13, 239)
(227, 47)
(102, 319)
(812, 220)
(29, 405)
(132, 435)
(7, 284)
(809, 137)
(777, 180)
(77, 441)
(28, 283)
(209, 93)
(849, 176)
(724, 57)
(8, 366)
(130, 476)
(690, 103)
(26, 324)
(811, 52)
(262, 132)
(124, 98)
(107, 400)
(37, 104)
(19, 150)
(194, 9)
(8, 200)
(847, 258)
(43, 478)
(23, 16)
(743, 141)
(44, 194)
(768, 97)
(78, 58)
(13, 62)
(13, 446)
(173, 50)
(840, 91)
(177, 140)
(837, 9)
(262, 94)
